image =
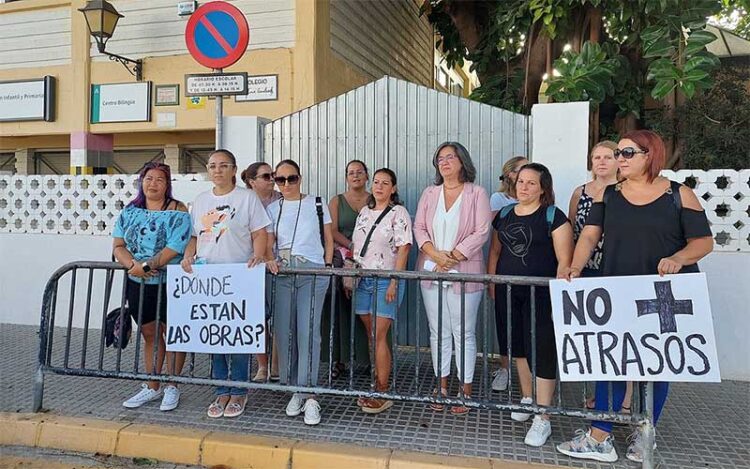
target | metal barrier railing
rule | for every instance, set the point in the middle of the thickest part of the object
(110, 363)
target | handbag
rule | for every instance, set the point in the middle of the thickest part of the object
(114, 329)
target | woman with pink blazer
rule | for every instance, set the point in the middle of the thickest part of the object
(451, 226)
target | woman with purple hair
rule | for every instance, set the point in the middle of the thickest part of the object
(151, 232)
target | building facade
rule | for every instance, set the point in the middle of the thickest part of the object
(301, 52)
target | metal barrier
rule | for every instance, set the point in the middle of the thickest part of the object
(110, 363)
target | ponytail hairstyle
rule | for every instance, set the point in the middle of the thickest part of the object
(229, 155)
(291, 163)
(547, 198)
(252, 171)
(395, 199)
(506, 185)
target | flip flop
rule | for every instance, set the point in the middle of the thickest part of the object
(216, 409)
(436, 406)
(235, 409)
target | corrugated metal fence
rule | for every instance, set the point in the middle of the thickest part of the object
(397, 124)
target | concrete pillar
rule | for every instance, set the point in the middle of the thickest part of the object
(172, 158)
(243, 136)
(24, 161)
(91, 153)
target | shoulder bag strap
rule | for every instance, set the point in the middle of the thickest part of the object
(363, 251)
(319, 209)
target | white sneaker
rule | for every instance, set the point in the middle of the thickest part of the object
(294, 408)
(584, 446)
(522, 416)
(312, 412)
(171, 398)
(540, 430)
(146, 394)
(500, 383)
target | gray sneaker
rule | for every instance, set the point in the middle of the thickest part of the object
(584, 446)
(635, 446)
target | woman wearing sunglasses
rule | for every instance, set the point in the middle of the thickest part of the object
(151, 232)
(258, 177)
(228, 227)
(653, 226)
(300, 235)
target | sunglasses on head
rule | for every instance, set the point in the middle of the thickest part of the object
(281, 180)
(628, 152)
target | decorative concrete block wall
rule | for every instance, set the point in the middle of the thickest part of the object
(90, 204)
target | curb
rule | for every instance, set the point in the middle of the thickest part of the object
(210, 448)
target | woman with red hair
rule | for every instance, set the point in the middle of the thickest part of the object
(653, 226)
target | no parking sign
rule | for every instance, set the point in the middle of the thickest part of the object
(217, 34)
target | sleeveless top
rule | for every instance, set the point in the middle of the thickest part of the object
(585, 202)
(639, 236)
(347, 217)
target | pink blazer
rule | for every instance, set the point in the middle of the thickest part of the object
(474, 228)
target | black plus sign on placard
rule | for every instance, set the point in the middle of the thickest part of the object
(665, 306)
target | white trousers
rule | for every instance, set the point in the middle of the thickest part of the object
(450, 332)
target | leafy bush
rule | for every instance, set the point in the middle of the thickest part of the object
(714, 127)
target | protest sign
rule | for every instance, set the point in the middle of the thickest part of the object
(219, 308)
(634, 328)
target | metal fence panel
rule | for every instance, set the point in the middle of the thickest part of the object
(396, 124)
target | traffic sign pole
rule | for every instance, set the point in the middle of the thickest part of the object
(219, 118)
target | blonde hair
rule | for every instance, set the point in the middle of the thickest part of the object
(608, 144)
(506, 186)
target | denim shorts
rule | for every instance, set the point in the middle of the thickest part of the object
(364, 300)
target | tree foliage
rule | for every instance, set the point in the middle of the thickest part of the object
(715, 126)
(617, 51)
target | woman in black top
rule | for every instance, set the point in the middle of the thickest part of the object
(532, 238)
(652, 226)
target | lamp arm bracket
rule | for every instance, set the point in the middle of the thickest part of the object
(136, 69)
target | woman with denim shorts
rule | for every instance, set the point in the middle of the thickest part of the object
(381, 241)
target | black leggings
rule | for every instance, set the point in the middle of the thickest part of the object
(520, 306)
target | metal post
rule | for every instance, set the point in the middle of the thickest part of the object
(648, 432)
(219, 118)
(38, 389)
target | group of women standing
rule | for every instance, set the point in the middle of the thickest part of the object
(651, 226)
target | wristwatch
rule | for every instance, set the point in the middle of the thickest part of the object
(146, 267)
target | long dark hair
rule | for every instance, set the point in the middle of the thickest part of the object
(395, 199)
(229, 155)
(252, 171)
(468, 172)
(140, 198)
(545, 180)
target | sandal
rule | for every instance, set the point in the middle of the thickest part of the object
(461, 409)
(376, 406)
(590, 404)
(261, 375)
(216, 409)
(235, 409)
(436, 406)
(361, 401)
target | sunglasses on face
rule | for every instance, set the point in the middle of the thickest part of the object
(281, 180)
(628, 152)
(264, 176)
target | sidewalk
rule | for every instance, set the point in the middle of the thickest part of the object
(703, 425)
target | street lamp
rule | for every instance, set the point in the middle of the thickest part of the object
(101, 19)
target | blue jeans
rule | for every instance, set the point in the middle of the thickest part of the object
(221, 365)
(661, 390)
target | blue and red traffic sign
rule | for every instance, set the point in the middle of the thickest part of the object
(217, 34)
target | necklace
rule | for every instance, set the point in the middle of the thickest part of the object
(454, 187)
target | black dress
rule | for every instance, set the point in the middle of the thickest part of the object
(639, 236)
(527, 250)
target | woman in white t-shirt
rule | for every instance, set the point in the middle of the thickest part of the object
(380, 241)
(300, 234)
(228, 227)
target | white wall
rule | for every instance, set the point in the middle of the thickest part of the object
(560, 141)
(729, 287)
(35, 38)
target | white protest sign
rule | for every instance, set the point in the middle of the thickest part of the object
(219, 308)
(635, 328)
